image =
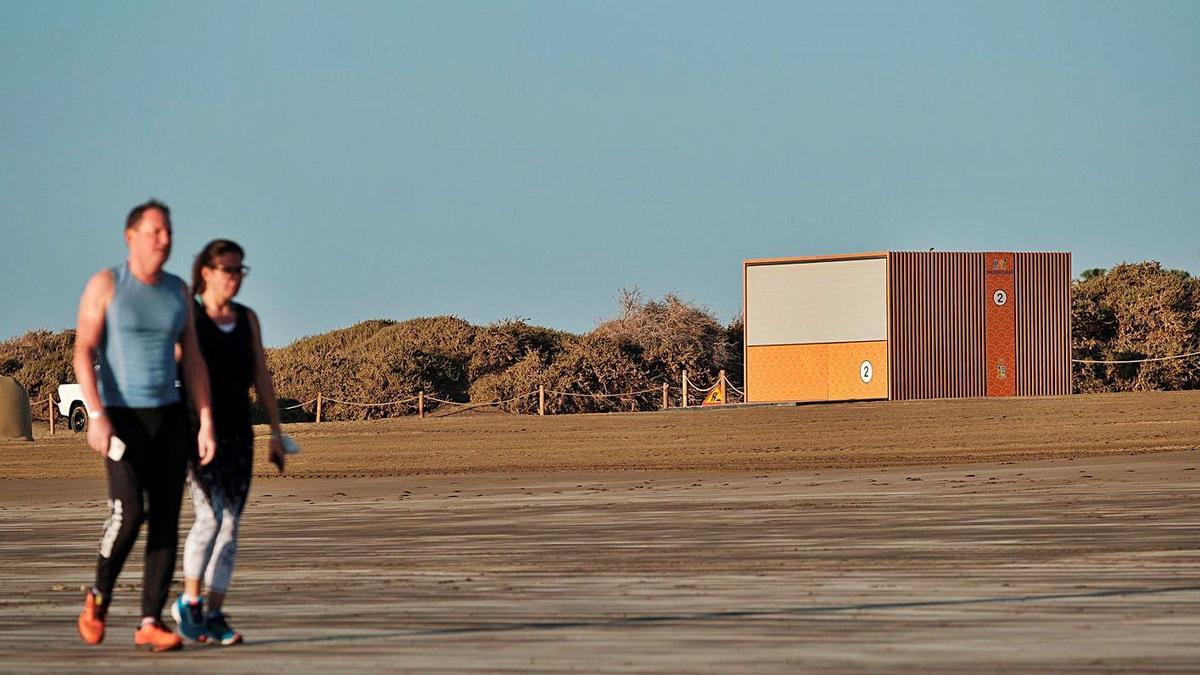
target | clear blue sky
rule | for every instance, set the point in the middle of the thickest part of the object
(500, 159)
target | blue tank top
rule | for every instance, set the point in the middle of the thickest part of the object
(136, 360)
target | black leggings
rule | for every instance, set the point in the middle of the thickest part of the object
(158, 441)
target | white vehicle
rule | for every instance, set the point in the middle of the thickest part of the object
(70, 405)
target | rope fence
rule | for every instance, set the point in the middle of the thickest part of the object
(429, 406)
(299, 405)
(371, 405)
(321, 401)
(465, 407)
(687, 389)
(35, 408)
(722, 382)
(620, 395)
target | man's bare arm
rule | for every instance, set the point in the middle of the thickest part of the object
(89, 331)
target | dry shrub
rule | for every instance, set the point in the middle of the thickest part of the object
(39, 361)
(301, 368)
(735, 337)
(594, 368)
(380, 361)
(648, 343)
(377, 362)
(502, 345)
(1135, 311)
(428, 354)
(670, 336)
(515, 382)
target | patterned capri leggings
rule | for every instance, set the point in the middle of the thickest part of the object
(219, 493)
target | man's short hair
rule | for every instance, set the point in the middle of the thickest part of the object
(135, 216)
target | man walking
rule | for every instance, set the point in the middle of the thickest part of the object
(131, 317)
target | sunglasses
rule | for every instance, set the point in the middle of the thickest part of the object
(231, 271)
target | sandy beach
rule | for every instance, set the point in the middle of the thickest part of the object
(985, 535)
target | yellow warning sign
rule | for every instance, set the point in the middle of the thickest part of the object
(716, 396)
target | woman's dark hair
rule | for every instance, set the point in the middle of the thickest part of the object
(208, 257)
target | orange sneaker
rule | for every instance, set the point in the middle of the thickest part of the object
(91, 619)
(156, 638)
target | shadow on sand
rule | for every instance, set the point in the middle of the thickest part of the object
(717, 616)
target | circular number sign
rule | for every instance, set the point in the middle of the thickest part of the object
(1000, 297)
(866, 371)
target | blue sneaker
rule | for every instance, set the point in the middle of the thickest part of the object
(190, 619)
(218, 631)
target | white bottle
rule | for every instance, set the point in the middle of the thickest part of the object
(116, 448)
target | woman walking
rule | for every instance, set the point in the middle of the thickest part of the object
(231, 344)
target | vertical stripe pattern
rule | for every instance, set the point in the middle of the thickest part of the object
(1043, 324)
(936, 325)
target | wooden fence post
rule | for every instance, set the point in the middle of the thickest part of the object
(666, 403)
(50, 401)
(541, 399)
(318, 407)
(421, 404)
(684, 389)
(721, 385)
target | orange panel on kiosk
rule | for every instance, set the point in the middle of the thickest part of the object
(1001, 321)
(858, 370)
(788, 372)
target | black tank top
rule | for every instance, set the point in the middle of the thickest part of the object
(230, 361)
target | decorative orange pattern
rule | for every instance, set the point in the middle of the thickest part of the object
(1000, 317)
(815, 372)
(846, 366)
(787, 373)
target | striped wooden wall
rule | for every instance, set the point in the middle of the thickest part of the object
(1043, 327)
(936, 337)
